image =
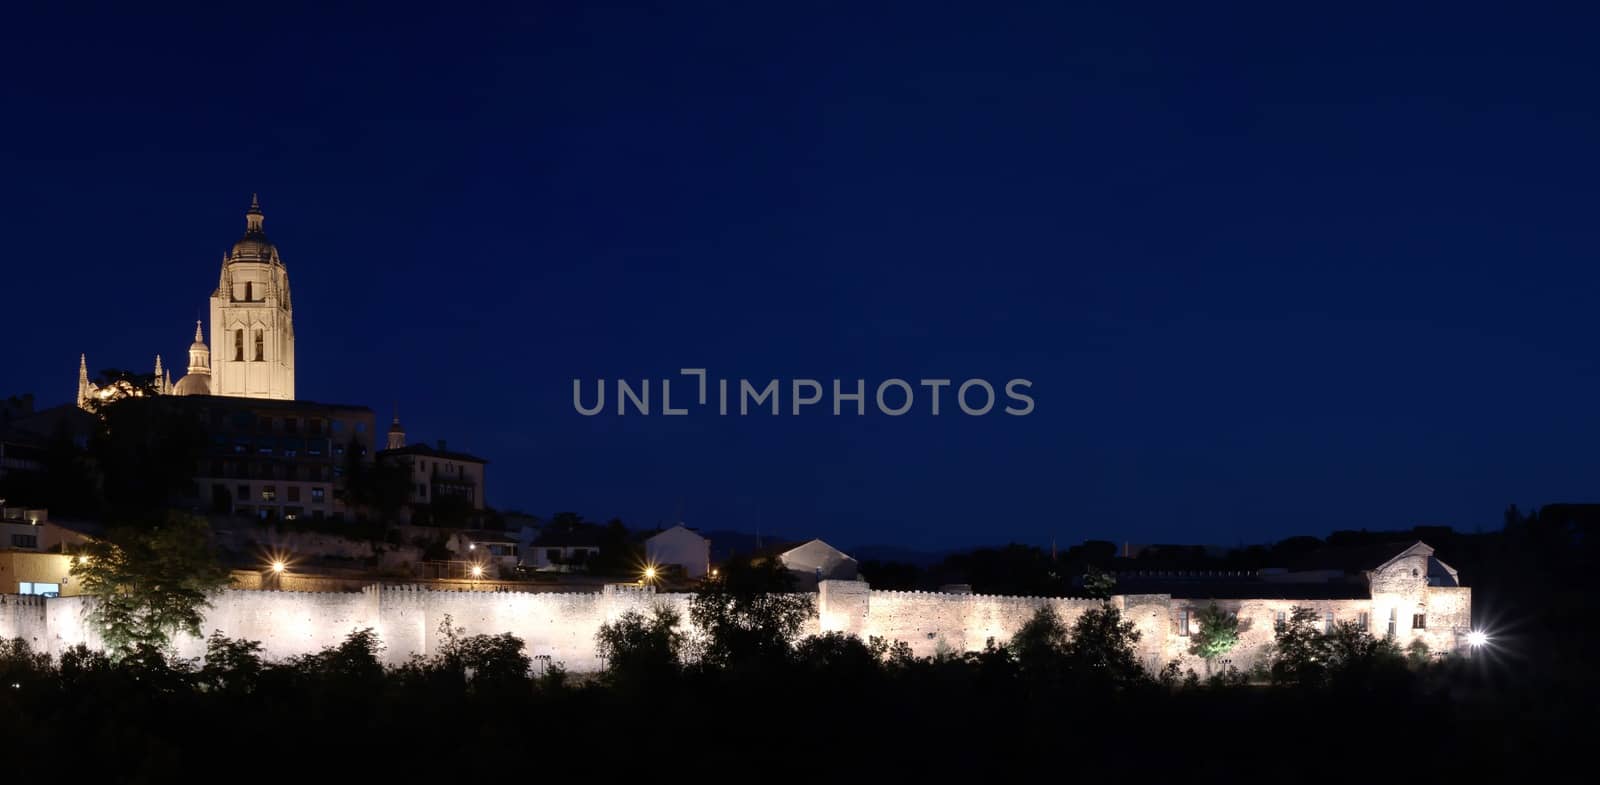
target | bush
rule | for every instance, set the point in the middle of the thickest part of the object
(642, 649)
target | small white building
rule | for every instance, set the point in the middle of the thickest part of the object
(680, 546)
(812, 562)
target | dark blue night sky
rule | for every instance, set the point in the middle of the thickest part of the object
(1271, 273)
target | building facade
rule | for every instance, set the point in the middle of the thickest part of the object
(444, 487)
(273, 460)
(811, 562)
(680, 547)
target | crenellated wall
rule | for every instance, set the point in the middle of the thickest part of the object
(563, 626)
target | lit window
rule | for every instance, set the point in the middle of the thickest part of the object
(1183, 622)
(316, 494)
(39, 589)
(1419, 621)
(269, 493)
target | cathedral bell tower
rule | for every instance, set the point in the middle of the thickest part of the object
(252, 319)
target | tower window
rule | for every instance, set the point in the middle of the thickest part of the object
(261, 345)
(249, 293)
(238, 345)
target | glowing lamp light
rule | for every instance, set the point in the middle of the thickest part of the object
(278, 567)
(1477, 638)
(649, 573)
(477, 571)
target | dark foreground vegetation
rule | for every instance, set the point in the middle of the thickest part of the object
(750, 700)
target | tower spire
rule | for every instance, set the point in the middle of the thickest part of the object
(397, 434)
(198, 338)
(253, 216)
(83, 379)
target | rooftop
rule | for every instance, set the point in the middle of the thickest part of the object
(432, 452)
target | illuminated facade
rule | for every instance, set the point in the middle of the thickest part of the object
(252, 328)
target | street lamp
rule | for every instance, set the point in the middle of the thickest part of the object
(278, 567)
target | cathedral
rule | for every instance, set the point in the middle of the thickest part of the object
(252, 330)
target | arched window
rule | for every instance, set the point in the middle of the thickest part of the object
(261, 345)
(249, 293)
(238, 345)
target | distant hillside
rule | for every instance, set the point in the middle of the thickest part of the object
(725, 543)
(895, 553)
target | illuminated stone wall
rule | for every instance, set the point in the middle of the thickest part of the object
(23, 617)
(562, 626)
(933, 622)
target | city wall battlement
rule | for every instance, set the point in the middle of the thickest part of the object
(563, 626)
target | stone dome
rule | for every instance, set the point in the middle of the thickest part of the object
(253, 246)
(193, 384)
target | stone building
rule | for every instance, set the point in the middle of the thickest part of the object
(252, 328)
(445, 487)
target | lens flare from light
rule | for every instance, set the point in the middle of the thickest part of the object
(1477, 638)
